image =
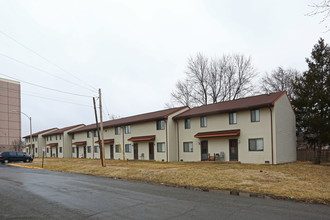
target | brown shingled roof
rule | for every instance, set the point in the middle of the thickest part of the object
(158, 115)
(40, 132)
(233, 105)
(62, 130)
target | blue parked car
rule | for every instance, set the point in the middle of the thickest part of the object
(12, 156)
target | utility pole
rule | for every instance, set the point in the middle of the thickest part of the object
(97, 130)
(101, 125)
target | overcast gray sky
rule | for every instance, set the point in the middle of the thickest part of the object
(135, 51)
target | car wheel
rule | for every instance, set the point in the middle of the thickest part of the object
(27, 160)
(6, 161)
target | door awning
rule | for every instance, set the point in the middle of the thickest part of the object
(53, 144)
(79, 143)
(106, 141)
(29, 145)
(143, 138)
(224, 133)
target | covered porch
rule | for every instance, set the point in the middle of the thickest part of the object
(219, 145)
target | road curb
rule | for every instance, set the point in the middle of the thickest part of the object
(18, 165)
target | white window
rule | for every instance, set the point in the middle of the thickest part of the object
(96, 134)
(160, 125)
(128, 148)
(203, 121)
(127, 129)
(161, 147)
(118, 150)
(117, 130)
(89, 149)
(72, 150)
(60, 149)
(187, 123)
(255, 115)
(72, 135)
(232, 118)
(188, 147)
(256, 144)
(96, 149)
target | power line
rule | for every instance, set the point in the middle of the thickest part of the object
(52, 99)
(56, 90)
(44, 71)
(52, 63)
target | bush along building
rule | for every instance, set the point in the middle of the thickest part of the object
(257, 129)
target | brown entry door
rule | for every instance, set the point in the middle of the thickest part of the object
(151, 151)
(136, 151)
(233, 150)
(111, 152)
(204, 150)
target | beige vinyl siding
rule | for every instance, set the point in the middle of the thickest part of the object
(221, 144)
(284, 132)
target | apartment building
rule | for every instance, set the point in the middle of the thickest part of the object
(10, 116)
(258, 129)
(38, 142)
(149, 136)
(58, 142)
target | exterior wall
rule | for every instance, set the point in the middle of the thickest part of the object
(172, 136)
(10, 122)
(39, 142)
(141, 129)
(82, 136)
(218, 122)
(285, 131)
(51, 150)
(63, 140)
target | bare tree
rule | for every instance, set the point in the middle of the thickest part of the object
(321, 8)
(18, 145)
(114, 116)
(215, 80)
(183, 93)
(280, 79)
(241, 73)
(197, 73)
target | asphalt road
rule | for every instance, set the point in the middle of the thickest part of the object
(42, 194)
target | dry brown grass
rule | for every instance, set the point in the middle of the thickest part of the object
(301, 180)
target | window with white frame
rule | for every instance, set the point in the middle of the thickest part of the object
(255, 115)
(127, 129)
(232, 118)
(160, 125)
(88, 134)
(73, 149)
(96, 149)
(117, 130)
(256, 144)
(89, 149)
(55, 137)
(72, 135)
(203, 121)
(128, 148)
(161, 147)
(96, 134)
(187, 123)
(188, 147)
(118, 150)
(50, 138)
(60, 149)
